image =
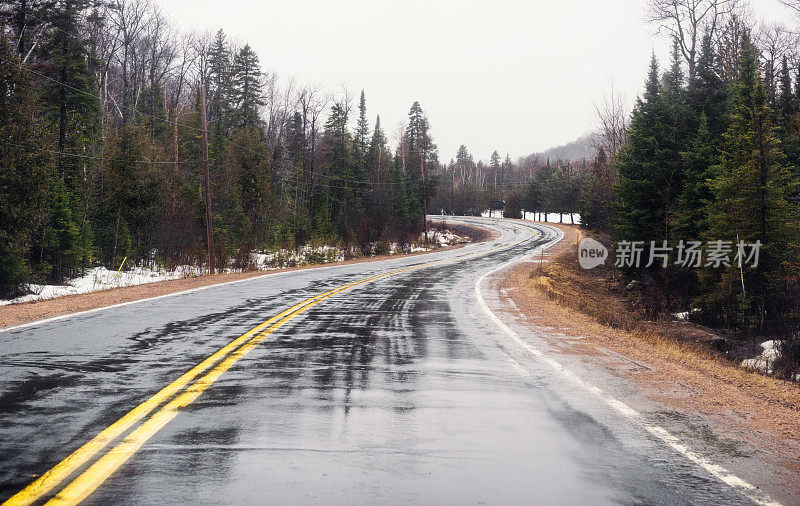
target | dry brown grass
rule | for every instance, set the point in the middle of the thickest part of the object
(600, 294)
(685, 351)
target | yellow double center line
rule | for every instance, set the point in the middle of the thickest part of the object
(182, 392)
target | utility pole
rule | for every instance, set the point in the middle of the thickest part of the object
(175, 139)
(207, 179)
(424, 194)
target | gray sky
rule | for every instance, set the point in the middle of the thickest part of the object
(512, 75)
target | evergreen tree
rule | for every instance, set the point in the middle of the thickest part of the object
(495, 164)
(597, 195)
(378, 162)
(342, 187)
(751, 187)
(219, 89)
(24, 173)
(249, 160)
(73, 112)
(690, 221)
(639, 214)
(133, 187)
(378, 154)
(786, 100)
(362, 130)
(422, 159)
(246, 88)
(707, 93)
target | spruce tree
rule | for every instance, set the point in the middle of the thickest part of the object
(707, 93)
(246, 88)
(640, 215)
(690, 221)
(786, 100)
(219, 89)
(339, 167)
(362, 130)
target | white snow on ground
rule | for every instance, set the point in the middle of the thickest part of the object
(100, 278)
(531, 216)
(306, 255)
(684, 315)
(771, 352)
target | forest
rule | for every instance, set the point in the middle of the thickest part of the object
(711, 152)
(102, 152)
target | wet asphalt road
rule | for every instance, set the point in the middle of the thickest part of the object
(399, 390)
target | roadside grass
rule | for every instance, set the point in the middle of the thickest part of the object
(600, 294)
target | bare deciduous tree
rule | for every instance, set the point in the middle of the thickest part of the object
(774, 42)
(792, 4)
(688, 20)
(612, 116)
(729, 44)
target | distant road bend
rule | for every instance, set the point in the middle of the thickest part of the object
(390, 381)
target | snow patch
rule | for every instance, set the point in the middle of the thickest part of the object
(771, 352)
(100, 278)
(685, 315)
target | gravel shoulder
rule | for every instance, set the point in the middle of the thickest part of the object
(752, 419)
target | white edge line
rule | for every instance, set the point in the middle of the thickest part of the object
(750, 491)
(197, 289)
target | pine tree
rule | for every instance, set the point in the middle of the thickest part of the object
(73, 112)
(131, 200)
(378, 163)
(707, 93)
(690, 222)
(362, 130)
(342, 187)
(378, 154)
(786, 100)
(249, 160)
(495, 164)
(422, 159)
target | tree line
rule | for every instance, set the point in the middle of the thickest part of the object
(712, 153)
(101, 152)
(531, 185)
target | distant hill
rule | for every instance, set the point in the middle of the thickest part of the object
(580, 148)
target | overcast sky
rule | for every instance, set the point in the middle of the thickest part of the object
(512, 75)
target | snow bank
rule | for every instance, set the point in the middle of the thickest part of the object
(306, 255)
(771, 352)
(685, 315)
(100, 278)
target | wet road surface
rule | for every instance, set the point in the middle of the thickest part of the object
(395, 390)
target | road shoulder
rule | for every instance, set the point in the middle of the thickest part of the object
(749, 420)
(19, 314)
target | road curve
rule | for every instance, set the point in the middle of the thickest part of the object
(366, 383)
